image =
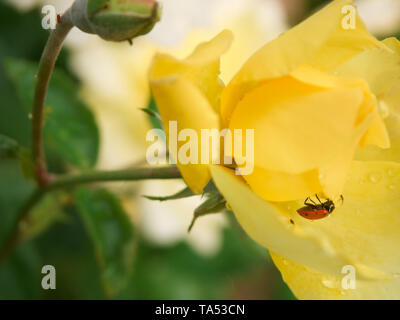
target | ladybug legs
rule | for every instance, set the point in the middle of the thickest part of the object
(307, 202)
(318, 199)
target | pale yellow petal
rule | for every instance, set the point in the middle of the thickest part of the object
(363, 231)
(307, 284)
(380, 67)
(390, 111)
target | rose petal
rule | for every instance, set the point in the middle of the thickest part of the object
(320, 40)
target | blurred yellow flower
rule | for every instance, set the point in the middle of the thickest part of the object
(316, 96)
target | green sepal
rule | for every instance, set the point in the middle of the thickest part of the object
(185, 193)
(214, 204)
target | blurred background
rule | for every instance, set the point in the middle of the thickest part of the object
(107, 241)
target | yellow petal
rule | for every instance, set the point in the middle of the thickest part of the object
(187, 91)
(307, 284)
(389, 103)
(307, 122)
(271, 227)
(179, 100)
(201, 68)
(363, 232)
(279, 186)
(380, 67)
(393, 43)
(365, 228)
(320, 40)
(297, 126)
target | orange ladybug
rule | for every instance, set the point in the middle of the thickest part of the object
(314, 211)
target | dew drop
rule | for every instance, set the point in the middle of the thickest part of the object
(391, 187)
(285, 262)
(375, 177)
(30, 116)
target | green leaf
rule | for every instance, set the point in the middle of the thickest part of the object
(70, 127)
(26, 163)
(112, 234)
(20, 274)
(185, 193)
(214, 204)
(177, 271)
(47, 212)
(8, 148)
(14, 190)
(154, 117)
(68, 247)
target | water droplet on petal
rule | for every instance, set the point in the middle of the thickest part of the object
(375, 177)
(391, 187)
(285, 262)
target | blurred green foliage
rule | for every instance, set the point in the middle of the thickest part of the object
(85, 233)
(70, 129)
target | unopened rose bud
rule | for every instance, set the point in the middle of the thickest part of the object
(115, 20)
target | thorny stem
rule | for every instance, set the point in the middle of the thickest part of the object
(46, 66)
(170, 172)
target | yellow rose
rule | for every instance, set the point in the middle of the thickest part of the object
(323, 99)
